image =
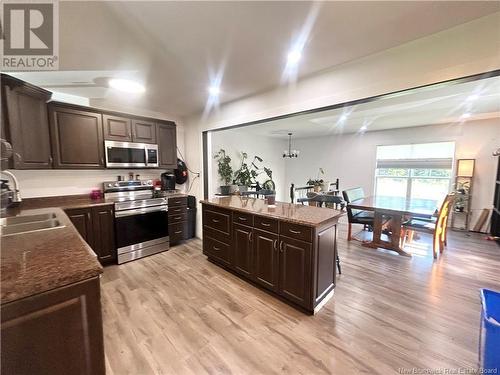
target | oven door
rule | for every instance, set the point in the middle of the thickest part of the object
(125, 154)
(137, 226)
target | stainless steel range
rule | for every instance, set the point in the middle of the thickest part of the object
(141, 221)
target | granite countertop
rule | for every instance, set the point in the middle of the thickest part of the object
(36, 262)
(64, 202)
(295, 213)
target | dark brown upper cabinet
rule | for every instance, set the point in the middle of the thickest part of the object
(143, 131)
(117, 128)
(167, 145)
(25, 124)
(77, 139)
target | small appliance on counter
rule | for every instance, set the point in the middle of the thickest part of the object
(168, 181)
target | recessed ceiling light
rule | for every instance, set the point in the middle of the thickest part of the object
(126, 85)
(294, 57)
(343, 117)
(214, 90)
(363, 128)
(466, 115)
(472, 97)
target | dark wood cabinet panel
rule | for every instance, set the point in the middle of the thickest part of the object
(77, 139)
(219, 220)
(295, 265)
(326, 254)
(57, 332)
(243, 250)
(82, 220)
(26, 124)
(242, 218)
(266, 259)
(96, 225)
(103, 226)
(215, 248)
(117, 128)
(167, 145)
(143, 131)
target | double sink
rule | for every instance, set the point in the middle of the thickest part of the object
(29, 223)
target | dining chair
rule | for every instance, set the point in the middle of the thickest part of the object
(437, 227)
(356, 216)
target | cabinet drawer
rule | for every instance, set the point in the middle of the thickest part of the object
(179, 201)
(172, 219)
(217, 220)
(243, 218)
(264, 223)
(174, 211)
(216, 249)
(177, 231)
(297, 231)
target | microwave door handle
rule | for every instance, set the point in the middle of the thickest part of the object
(146, 155)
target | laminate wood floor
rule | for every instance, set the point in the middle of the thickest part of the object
(177, 313)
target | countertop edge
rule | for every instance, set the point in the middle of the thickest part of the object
(334, 219)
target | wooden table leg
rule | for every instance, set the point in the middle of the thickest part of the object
(394, 243)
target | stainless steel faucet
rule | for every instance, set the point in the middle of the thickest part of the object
(17, 194)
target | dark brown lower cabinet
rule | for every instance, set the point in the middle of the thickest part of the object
(295, 266)
(97, 228)
(295, 261)
(266, 259)
(103, 224)
(242, 250)
(54, 333)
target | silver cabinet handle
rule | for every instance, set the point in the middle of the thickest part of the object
(275, 244)
(177, 217)
(250, 237)
(18, 156)
(51, 160)
(294, 231)
(281, 246)
(242, 218)
(215, 221)
(266, 224)
(216, 248)
(178, 232)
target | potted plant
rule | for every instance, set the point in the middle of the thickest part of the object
(224, 170)
(243, 176)
(318, 183)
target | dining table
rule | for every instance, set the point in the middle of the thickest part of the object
(393, 211)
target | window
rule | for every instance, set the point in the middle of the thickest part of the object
(414, 171)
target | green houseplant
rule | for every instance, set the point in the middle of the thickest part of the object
(318, 182)
(243, 176)
(224, 170)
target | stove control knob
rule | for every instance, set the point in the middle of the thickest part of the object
(117, 184)
(109, 185)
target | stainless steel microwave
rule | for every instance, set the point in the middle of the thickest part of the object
(130, 155)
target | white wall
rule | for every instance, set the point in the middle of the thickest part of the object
(269, 149)
(464, 50)
(352, 157)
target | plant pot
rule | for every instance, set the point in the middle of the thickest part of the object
(242, 188)
(225, 190)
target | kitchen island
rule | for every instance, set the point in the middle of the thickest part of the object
(287, 249)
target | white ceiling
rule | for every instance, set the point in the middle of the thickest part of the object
(430, 106)
(174, 48)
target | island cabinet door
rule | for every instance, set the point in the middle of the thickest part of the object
(266, 259)
(295, 269)
(243, 249)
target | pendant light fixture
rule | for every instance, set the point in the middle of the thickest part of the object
(290, 153)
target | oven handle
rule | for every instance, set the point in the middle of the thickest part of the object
(140, 211)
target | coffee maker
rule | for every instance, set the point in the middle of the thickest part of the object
(168, 181)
